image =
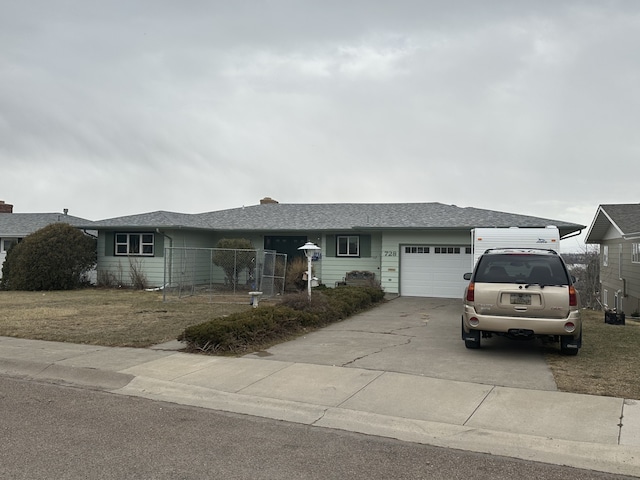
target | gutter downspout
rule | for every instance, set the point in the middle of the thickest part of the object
(167, 281)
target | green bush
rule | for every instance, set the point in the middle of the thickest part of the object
(56, 257)
(266, 325)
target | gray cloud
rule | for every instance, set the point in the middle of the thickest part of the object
(114, 108)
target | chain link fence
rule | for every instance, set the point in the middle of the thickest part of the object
(222, 273)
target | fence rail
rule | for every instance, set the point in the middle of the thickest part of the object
(222, 272)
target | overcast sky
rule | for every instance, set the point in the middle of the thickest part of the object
(111, 108)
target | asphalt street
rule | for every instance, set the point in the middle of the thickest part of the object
(61, 432)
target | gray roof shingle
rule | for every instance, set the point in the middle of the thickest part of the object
(336, 217)
(23, 224)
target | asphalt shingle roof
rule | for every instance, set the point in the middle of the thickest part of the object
(335, 217)
(623, 217)
(23, 224)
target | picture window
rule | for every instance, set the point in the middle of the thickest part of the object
(134, 244)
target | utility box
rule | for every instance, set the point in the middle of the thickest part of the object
(513, 237)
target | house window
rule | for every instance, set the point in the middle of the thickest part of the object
(134, 244)
(605, 256)
(348, 245)
(7, 243)
(635, 252)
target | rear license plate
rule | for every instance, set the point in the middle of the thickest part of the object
(520, 299)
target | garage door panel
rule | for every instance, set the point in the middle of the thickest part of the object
(431, 274)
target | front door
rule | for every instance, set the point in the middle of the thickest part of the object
(287, 244)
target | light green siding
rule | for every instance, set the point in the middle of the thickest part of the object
(380, 254)
(331, 269)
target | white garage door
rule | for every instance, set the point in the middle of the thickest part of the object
(434, 271)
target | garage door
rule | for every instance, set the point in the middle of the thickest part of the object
(434, 271)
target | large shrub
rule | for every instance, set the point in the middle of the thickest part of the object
(56, 257)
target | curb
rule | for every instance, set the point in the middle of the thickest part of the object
(77, 376)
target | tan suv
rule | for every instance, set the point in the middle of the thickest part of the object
(522, 294)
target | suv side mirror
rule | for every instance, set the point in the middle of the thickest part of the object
(467, 276)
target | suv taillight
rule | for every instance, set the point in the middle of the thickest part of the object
(471, 292)
(573, 297)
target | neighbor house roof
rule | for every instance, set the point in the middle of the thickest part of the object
(23, 224)
(624, 218)
(335, 217)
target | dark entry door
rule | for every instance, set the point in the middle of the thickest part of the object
(285, 244)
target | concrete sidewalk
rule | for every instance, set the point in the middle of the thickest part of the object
(597, 433)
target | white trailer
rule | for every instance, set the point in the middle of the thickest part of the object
(513, 237)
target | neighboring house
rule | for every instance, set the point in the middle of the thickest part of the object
(15, 226)
(414, 249)
(616, 228)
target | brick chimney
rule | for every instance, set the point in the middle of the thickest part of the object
(5, 207)
(267, 200)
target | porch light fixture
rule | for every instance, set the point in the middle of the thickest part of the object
(309, 250)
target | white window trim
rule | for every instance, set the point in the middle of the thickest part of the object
(150, 245)
(635, 253)
(349, 239)
(605, 255)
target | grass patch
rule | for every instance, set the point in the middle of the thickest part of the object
(109, 317)
(607, 363)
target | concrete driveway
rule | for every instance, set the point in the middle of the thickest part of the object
(418, 336)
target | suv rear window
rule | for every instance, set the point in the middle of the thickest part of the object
(521, 268)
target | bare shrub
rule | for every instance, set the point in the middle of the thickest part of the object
(295, 280)
(136, 273)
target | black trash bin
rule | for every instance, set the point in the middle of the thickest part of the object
(613, 318)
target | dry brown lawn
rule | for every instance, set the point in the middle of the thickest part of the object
(130, 318)
(607, 364)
